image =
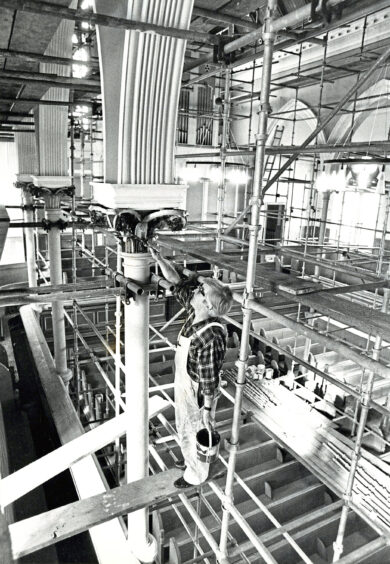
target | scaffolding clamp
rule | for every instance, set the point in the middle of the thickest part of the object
(265, 107)
(47, 225)
(231, 447)
(227, 501)
(127, 286)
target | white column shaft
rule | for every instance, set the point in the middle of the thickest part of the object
(136, 267)
(58, 319)
(30, 242)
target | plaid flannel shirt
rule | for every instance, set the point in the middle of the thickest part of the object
(207, 351)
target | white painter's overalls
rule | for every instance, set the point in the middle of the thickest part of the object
(187, 411)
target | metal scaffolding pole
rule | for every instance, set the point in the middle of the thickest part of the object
(338, 545)
(224, 144)
(256, 200)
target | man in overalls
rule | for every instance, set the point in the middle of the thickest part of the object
(199, 358)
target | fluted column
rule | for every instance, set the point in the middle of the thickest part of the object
(140, 97)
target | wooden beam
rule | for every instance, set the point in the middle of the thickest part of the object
(353, 288)
(27, 55)
(33, 475)
(22, 299)
(38, 101)
(5, 542)
(58, 524)
(51, 79)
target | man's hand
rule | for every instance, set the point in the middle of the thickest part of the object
(207, 419)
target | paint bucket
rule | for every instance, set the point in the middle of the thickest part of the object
(207, 445)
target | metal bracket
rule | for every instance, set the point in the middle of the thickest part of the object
(47, 225)
(219, 55)
(265, 107)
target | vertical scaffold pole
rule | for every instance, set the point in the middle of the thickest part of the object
(256, 201)
(118, 323)
(224, 145)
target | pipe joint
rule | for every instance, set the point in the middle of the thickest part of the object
(268, 37)
(227, 502)
(254, 202)
(346, 497)
(231, 447)
(266, 108)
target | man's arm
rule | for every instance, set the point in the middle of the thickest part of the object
(168, 270)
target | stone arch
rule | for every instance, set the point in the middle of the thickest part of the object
(304, 112)
(342, 129)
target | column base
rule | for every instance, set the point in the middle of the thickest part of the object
(146, 552)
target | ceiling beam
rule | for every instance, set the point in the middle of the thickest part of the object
(15, 122)
(56, 11)
(20, 77)
(26, 55)
(15, 114)
(38, 101)
(223, 17)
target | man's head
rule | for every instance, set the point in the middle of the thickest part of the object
(212, 297)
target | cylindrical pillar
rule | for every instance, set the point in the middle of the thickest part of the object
(28, 214)
(53, 213)
(136, 267)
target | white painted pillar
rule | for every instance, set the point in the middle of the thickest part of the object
(28, 216)
(53, 213)
(30, 241)
(136, 266)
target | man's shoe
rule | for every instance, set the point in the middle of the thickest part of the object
(182, 484)
(180, 464)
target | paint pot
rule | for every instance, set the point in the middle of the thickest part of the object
(207, 445)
